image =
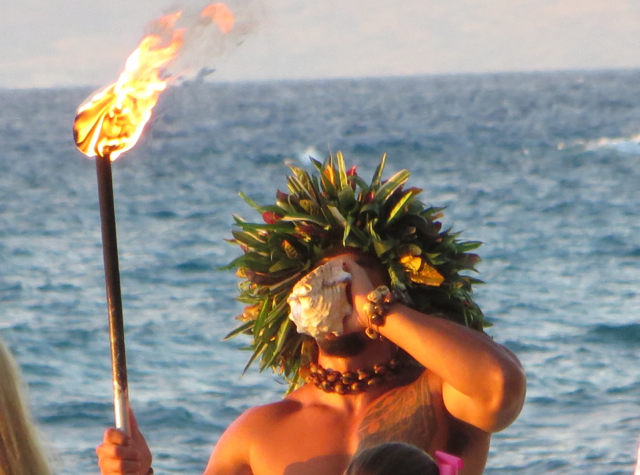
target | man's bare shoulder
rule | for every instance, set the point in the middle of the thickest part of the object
(251, 423)
(245, 448)
(255, 418)
(233, 451)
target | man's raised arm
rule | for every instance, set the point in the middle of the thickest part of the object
(483, 382)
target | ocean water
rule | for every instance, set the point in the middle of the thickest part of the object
(543, 168)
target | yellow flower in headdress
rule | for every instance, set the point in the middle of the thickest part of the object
(420, 272)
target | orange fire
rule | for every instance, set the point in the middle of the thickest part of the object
(112, 121)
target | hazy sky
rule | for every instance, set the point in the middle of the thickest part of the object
(51, 43)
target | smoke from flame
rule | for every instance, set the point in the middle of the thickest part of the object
(112, 121)
(220, 14)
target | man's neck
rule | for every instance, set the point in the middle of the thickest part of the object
(375, 352)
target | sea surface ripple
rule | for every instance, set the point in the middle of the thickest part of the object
(543, 168)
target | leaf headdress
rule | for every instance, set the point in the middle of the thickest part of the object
(336, 208)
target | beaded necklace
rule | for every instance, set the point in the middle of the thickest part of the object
(353, 382)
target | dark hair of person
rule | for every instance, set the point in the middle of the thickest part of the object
(392, 458)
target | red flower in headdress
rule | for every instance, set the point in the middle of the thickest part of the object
(270, 217)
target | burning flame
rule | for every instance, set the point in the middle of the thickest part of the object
(112, 121)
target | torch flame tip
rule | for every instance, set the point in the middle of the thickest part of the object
(112, 121)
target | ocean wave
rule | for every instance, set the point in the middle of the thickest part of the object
(528, 163)
(76, 413)
(628, 335)
(194, 266)
(629, 389)
(176, 416)
(163, 214)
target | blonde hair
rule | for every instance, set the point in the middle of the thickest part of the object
(392, 458)
(20, 449)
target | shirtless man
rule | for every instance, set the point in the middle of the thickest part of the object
(455, 388)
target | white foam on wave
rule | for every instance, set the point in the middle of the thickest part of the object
(310, 151)
(630, 145)
(302, 158)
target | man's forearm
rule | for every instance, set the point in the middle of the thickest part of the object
(465, 359)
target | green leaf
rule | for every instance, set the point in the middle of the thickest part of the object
(250, 202)
(360, 183)
(271, 329)
(288, 281)
(360, 235)
(302, 188)
(375, 182)
(316, 188)
(267, 355)
(280, 341)
(356, 238)
(259, 323)
(247, 238)
(301, 175)
(415, 206)
(371, 208)
(328, 187)
(430, 212)
(254, 227)
(259, 348)
(293, 185)
(347, 231)
(254, 261)
(310, 206)
(238, 219)
(317, 164)
(284, 264)
(277, 311)
(371, 227)
(406, 196)
(241, 329)
(338, 216)
(391, 185)
(347, 198)
(286, 207)
(468, 246)
(342, 171)
(383, 246)
(396, 273)
(247, 299)
(436, 258)
(304, 217)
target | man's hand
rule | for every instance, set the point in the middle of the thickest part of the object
(361, 285)
(120, 454)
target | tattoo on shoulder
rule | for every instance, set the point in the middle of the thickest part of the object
(404, 414)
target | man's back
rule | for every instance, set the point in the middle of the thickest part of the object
(311, 432)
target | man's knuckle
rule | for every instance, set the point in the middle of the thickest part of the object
(120, 452)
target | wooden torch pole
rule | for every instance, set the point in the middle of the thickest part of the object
(114, 296)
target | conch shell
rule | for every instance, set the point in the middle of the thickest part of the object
(318, 302)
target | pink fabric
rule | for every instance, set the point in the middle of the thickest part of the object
(448, 464)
